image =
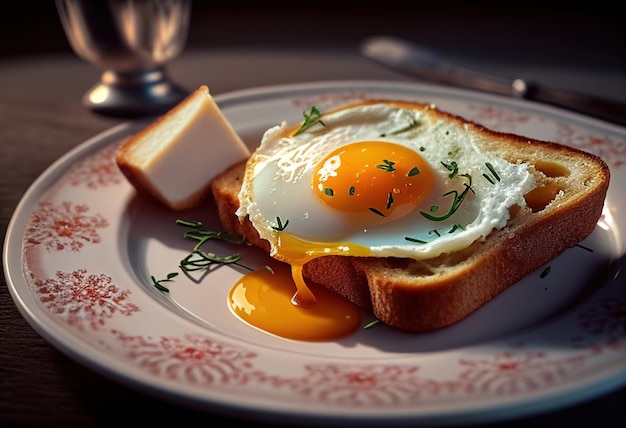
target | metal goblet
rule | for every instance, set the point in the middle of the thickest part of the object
(131, 40)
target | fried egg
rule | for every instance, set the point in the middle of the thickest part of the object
(379, 179)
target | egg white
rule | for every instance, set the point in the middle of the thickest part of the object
(277, 184)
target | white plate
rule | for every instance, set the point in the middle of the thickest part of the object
(81, 248)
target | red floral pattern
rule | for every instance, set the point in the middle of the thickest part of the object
(192, 359)
(96, 171)
(366, 385)
(63, 227)
(83, 301)
(200, 360)
(514, 373)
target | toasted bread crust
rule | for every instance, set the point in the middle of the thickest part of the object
(424, 295)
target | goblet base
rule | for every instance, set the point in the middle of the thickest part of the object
(134, 94)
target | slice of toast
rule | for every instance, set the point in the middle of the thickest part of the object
(172, 159)
(423, 295)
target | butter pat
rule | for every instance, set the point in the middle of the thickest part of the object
(175, 158)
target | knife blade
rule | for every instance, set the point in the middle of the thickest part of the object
(426, 64)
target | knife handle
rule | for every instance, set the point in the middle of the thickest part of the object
(601, 108)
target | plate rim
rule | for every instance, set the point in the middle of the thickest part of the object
(100, 139)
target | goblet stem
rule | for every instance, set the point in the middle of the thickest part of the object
(131, 94)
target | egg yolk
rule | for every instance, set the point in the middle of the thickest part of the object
(298, 252)
(386, 179)
(263, 299)
(281, 303)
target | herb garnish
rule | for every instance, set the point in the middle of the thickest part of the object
(545, 272)
(387, 165)
(458, 198)
(431, 232)
(493, 172)
(389, 200)
(417, 241)
(198, 259)
(158, 284)
(456, 226)
(202, 235)
(371, 324)
(455, 151)
(311, 117)
(434, 232)
(453, 167)
(375, 211)
(280, 226)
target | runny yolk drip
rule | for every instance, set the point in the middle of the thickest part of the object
(382, 178)
(297, 253)
(281, 303)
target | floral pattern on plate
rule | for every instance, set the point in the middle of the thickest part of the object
(81, 270)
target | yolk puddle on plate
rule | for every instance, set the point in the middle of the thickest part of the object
(263, 299)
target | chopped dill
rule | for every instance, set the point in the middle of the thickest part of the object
(280, 226)
(371, 324)
(431, 232)
(456, 202)
(415, 240)
(585, 248)
(489, 179)
(311, 117)
(387, 165)
(198, 259)
(158, 284)
(492, 170)
(453, 167)
(545, 272)
(389, 200)
(454, 228)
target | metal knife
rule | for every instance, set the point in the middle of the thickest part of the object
(426, 64)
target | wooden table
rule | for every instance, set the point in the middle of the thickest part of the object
(41, 118)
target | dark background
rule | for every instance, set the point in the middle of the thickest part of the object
(523, 32)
